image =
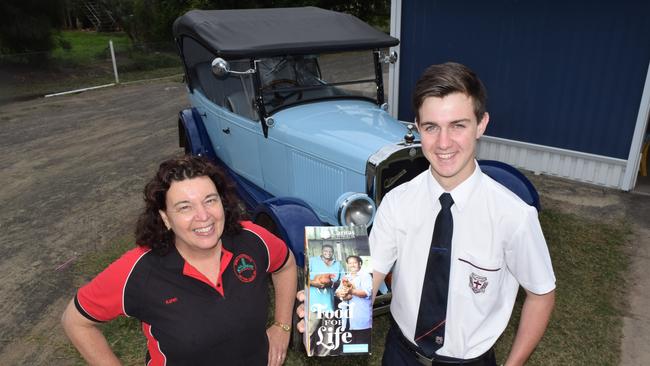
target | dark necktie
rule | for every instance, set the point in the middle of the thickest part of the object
(430, 327)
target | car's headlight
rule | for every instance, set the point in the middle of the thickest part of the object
(355, 209)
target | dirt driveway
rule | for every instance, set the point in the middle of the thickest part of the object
(73, 168)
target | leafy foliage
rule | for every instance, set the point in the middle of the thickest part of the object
(28, 25)
(151, 20)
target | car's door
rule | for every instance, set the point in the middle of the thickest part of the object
(240, 136)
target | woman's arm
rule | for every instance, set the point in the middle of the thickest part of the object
(88, 340)
(364, 290)
(359, 292)
(284, 284)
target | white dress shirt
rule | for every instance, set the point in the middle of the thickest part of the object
(497, 245)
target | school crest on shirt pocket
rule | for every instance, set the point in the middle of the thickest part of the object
(479, 274)
(477, 283)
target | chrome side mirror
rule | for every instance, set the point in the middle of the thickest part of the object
(390, 58)
(221, 68)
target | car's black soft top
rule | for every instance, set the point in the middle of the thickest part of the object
(279, 31)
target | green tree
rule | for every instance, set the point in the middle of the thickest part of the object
(29, 25)
(151, 20)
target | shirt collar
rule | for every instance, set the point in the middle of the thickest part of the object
(331, 262)
(174, 260)
(462, 192)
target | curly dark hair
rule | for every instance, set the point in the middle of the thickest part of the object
(150, 229)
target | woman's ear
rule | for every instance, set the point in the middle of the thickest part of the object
(165, 219)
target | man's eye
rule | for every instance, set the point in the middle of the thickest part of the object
(184, 208)
(459, 125)
(212, 201)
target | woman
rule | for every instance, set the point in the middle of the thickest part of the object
(197, 280)
(356, 290)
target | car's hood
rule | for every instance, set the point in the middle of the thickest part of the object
(345, 132)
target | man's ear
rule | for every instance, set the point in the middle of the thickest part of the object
(165, 219)
(482, 125)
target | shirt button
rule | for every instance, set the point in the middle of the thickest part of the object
(218, 285)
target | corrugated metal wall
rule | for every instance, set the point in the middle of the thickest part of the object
(563, 74)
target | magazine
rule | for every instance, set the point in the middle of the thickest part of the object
(338, 291)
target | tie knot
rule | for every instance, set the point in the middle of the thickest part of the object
(446, 201)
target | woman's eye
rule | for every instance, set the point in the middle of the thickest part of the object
(212, 201)
(184, 208)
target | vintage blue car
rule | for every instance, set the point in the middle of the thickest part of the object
(291, 103)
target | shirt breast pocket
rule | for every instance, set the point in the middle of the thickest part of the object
(478, 278)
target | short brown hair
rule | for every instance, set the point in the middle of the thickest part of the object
(443, 79)
(150, 229)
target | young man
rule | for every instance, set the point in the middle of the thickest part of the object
(454, 287)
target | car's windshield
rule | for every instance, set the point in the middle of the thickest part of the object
(295, 79)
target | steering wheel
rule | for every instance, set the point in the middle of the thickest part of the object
(282, 96)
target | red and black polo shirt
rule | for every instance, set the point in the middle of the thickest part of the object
(186, 319)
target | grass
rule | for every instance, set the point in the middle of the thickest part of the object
(123, 334)
(83, 47)
(82, 59)
(590, 264)
(586, 328)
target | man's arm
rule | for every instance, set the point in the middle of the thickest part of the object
(535, 316)
(312, 279)
(314, 283)
(377, 279)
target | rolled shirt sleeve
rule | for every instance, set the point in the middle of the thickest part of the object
(528, 258)
(382, 241)
(277, 249)
(102, 299)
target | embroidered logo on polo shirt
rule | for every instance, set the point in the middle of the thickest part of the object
(477, 283)
(244, 267)
(171, 300)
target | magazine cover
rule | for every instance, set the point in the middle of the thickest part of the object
(338, 291)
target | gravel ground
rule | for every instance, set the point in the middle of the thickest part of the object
(73, 168)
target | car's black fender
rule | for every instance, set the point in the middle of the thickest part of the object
(192, 134)
(286, 217)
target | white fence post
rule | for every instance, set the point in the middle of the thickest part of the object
(117, 78)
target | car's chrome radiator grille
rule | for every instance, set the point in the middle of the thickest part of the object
(388, 169)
